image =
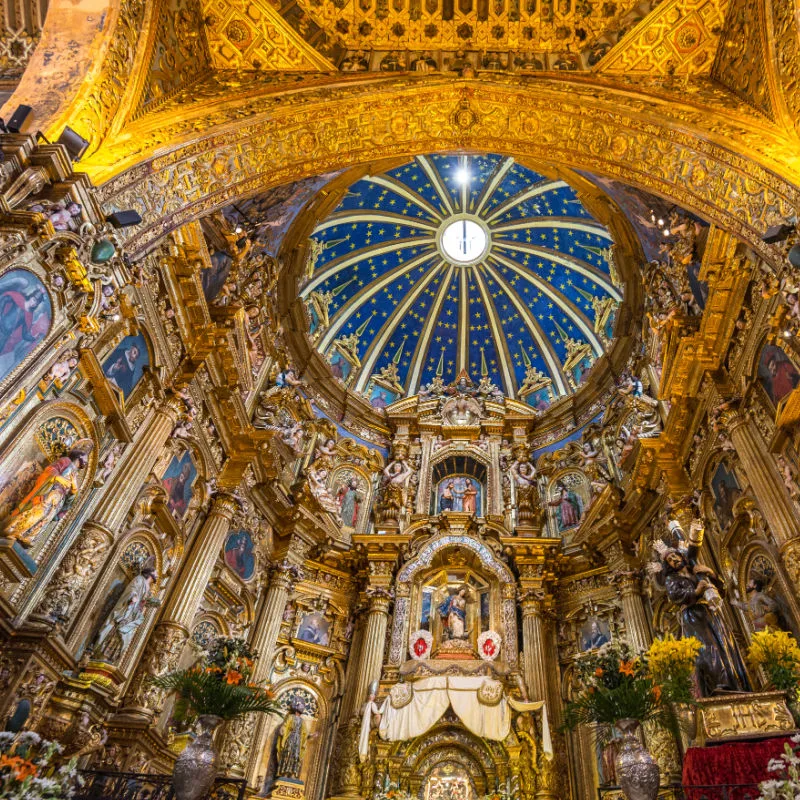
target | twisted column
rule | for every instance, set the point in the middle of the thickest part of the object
(68, 581)
(170, 634)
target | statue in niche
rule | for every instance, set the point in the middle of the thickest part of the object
(317, 477)
(760, 606)
(291, 744)
(127, 615)
(52, 493)
(453, 612)
(349, 500)
(695, 589)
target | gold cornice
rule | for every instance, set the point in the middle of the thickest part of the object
(712, 113)
(571, 130)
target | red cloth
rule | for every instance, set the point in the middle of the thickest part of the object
(726, 764)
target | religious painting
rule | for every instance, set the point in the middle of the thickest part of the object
(351, 491)
(380, 397)
(40, 478)
(125, 366)
(540, 399)
(239, 554)
(178, 481)
(726, 492)
(25, 317)
(462, 493)
(315, 629)
(594, 633)
(776, 372)
(567, 503)
(213, 278)
(340, 366)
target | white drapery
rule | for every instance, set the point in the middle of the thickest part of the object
(429, 699)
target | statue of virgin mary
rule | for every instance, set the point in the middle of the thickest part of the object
(453, 612)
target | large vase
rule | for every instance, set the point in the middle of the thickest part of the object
(637, 772)
(196, 767)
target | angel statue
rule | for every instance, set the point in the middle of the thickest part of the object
(695, 589)
(394, 483)
(52, 493)
(127, 615)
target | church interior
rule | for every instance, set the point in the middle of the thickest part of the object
(400, 399)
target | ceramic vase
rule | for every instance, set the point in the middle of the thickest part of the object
(637, 772)
(196, 767)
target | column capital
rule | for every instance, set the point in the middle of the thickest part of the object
(225, 505)
(628, 582)
(535, 602)
(285, 573)
(380, 598)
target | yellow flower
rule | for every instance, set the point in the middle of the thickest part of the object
(670, 655)
(772, 645)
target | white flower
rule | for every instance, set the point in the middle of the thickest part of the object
(29, 737)
(775, 764)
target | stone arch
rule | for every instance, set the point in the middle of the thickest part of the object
(486, 762)
(605, 132)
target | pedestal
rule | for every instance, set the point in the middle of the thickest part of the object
(733, 717)
(285, 789)
(15, 563)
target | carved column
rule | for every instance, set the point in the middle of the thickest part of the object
(167, 640)
(637, 625)
(662, 745)
(535, 651)
(373, 644)
(762, 472)
(237, 750)
(346, 777)
(76, 572)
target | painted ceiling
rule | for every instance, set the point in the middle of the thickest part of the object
(531, 306)
(423, 36)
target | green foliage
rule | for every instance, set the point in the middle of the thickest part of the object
(220, 685)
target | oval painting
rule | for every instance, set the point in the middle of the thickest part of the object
(25, 317)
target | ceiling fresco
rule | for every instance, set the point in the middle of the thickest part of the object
(452, 263)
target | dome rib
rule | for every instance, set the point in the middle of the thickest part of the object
(454, 262)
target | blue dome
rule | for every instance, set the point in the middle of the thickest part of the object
(452, 263)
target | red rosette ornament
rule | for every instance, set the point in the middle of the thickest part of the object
(489, 645)
(419, 645)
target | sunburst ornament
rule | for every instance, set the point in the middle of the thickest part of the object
(456, 263)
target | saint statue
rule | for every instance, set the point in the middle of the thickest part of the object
(349, 500)
(394, 485)
(51, 495)
(126, 616)
(291, 744)
(761, 607)
(453, 612)
(695, 589)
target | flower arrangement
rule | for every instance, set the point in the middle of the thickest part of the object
(499, 794)
(220, 685)
(419, 645)
(616, 686)
(27, 771)
(786, 784)
(489, 644)
(777, 652)
(670, 663)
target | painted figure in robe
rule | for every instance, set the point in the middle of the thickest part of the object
(453, 612)
(51, 495)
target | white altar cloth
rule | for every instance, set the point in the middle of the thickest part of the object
(425, 701)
